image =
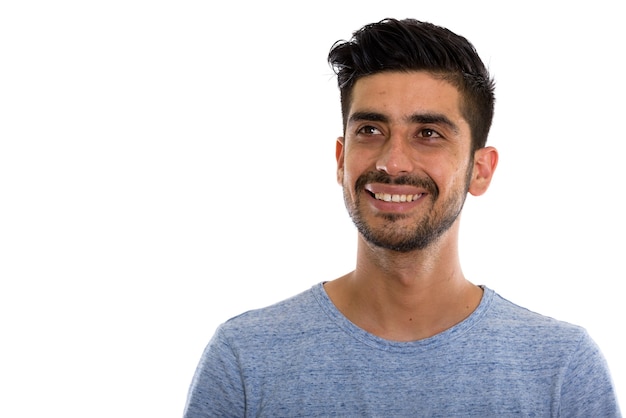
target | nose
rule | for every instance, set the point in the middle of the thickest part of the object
(395, 158)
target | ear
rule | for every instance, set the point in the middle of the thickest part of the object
(339, 156)
(485, 162)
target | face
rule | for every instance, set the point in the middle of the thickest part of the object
(405, 162)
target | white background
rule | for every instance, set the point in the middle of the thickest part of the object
(167, 165)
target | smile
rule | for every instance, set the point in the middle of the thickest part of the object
(386, 197)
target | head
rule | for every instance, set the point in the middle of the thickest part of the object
(411, 45)
(417, 105)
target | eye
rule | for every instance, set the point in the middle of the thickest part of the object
(369, 130)
(428, 133)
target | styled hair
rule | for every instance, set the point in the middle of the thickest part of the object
(411, 45)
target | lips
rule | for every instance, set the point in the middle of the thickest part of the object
(394, 192)
(405, 189)
(387, 197)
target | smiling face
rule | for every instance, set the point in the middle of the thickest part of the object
(405, 162)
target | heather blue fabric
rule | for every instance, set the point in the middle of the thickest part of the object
(303, 358)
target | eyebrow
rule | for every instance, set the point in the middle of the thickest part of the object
(434, 118)
(368, 116)
(424, 118)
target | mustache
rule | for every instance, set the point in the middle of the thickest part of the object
(381, 177)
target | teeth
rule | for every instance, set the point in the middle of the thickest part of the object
(397, 197)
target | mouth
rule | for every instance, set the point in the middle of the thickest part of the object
(394, 193)
(396, 198)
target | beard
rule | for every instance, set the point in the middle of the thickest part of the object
(393, 236)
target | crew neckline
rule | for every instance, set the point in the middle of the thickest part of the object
(442, 338)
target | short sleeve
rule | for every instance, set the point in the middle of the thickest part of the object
(217, 387)
(587, 389)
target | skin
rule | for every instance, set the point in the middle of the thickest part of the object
(408, 125)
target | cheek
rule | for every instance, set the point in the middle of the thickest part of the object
(348, 180)
(449, 177)
(340, 175)
(462, 176)
(350, 171)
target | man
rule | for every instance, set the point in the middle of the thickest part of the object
(404, 334)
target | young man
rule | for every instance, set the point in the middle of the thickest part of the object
(404, 334)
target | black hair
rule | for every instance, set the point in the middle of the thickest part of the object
(412, 45)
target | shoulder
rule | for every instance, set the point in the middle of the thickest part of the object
(286, 317)
(507, 314)
(530, 336)
(294, 305)
(510, 325)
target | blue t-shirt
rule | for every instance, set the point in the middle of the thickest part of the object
(303, 358)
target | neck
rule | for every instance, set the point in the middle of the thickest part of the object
(406, 296)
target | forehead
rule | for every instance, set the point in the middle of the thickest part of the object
(400, 94)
